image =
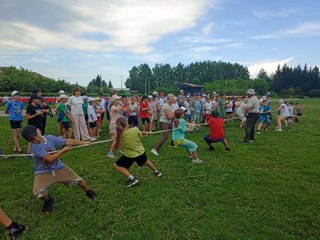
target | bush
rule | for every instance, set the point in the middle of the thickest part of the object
(314, 93)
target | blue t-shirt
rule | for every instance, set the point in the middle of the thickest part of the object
(198, 107)
(264, 109)
(40, 150)
(15, 110)
(179, 132)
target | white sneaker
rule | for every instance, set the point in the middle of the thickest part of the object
(278, 130)
(93, 139)
(196, 161)
(154, 152)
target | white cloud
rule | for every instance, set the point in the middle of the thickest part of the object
(207, 29)
(269, 66)
(126, 25)
(310, 29)
(268, 14)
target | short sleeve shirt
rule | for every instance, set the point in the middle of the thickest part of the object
(144, 114)
(179, 132)
(76, 105)
(15, 110)
(163, 117)
(62, 108)
(37, 120)
(216, 128)
(253, 104)
(131, 144)
(40, 150)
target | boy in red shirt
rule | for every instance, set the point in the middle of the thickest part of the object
(216, 131)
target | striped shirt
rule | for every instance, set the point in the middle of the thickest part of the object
(40, 150)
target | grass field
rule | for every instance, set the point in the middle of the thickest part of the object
(269, 189)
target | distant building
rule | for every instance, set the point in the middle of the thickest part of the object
(191, 88)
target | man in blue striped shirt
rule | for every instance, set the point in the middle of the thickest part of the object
(48, 168)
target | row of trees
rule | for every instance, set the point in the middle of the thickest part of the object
(26, 81)
(295, 80)
(166, 77)
(224, 77)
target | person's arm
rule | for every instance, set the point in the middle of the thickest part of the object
(6, 111)
(68, 116)
(50, 158)
(28, 116)
(169, 114)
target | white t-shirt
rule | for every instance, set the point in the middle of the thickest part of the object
(208, 107)
(133, 107)
(290, 108)
(92, 116)
(229, 106)
(76, 105)
(103, 104)
(241, 109)
(284, 111)
(213, 104)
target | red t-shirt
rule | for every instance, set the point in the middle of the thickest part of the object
(216, 128)
(145, 113)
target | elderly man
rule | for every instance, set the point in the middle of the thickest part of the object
(252, 113)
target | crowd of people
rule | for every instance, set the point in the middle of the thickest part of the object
(80, 119)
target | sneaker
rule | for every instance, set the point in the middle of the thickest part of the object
(196, 161)
(172, 146)
(119, 152)
(110, 155)
(227, 149)
(15, 230)
(47, 207)
(158, 174)
(211, 148)
(154, 152)
(91, 194)
(93, 139)
(258, 131)
(132, 182)
(278, 130)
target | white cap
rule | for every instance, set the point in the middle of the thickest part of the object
(114, 97)
(154, 93)
(251, 91)
(15, 92)
(204, 95)
(62, 96)
(90, 99)
(61, 92)
(150, 97)
(281, 101)
(85, 97)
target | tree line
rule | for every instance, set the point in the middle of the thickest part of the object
(224, 77)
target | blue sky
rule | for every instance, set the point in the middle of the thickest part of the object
(64, 40)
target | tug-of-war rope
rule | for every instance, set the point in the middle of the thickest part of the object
(108, 140)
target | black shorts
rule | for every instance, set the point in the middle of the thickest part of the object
(66, 125)
(93, 124)
(133, 120)
(126, 162)
(145, 120)
(15, 124)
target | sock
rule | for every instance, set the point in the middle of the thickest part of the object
(131, 177)
(156, 171)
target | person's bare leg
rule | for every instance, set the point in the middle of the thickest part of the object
(122, 170)
(4, 219)
(150, 165)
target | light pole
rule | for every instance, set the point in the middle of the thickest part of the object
(121, 82)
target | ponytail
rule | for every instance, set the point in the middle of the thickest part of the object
(121, 124)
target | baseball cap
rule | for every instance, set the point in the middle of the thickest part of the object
(85, 97)
(29, 132)
(15, 92)
(91, 99)
(150, 97)
(61, 92)
(154, 93)
(98, 99)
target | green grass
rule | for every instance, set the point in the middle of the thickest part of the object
(265, 190)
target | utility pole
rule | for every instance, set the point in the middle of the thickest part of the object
(121, 82)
